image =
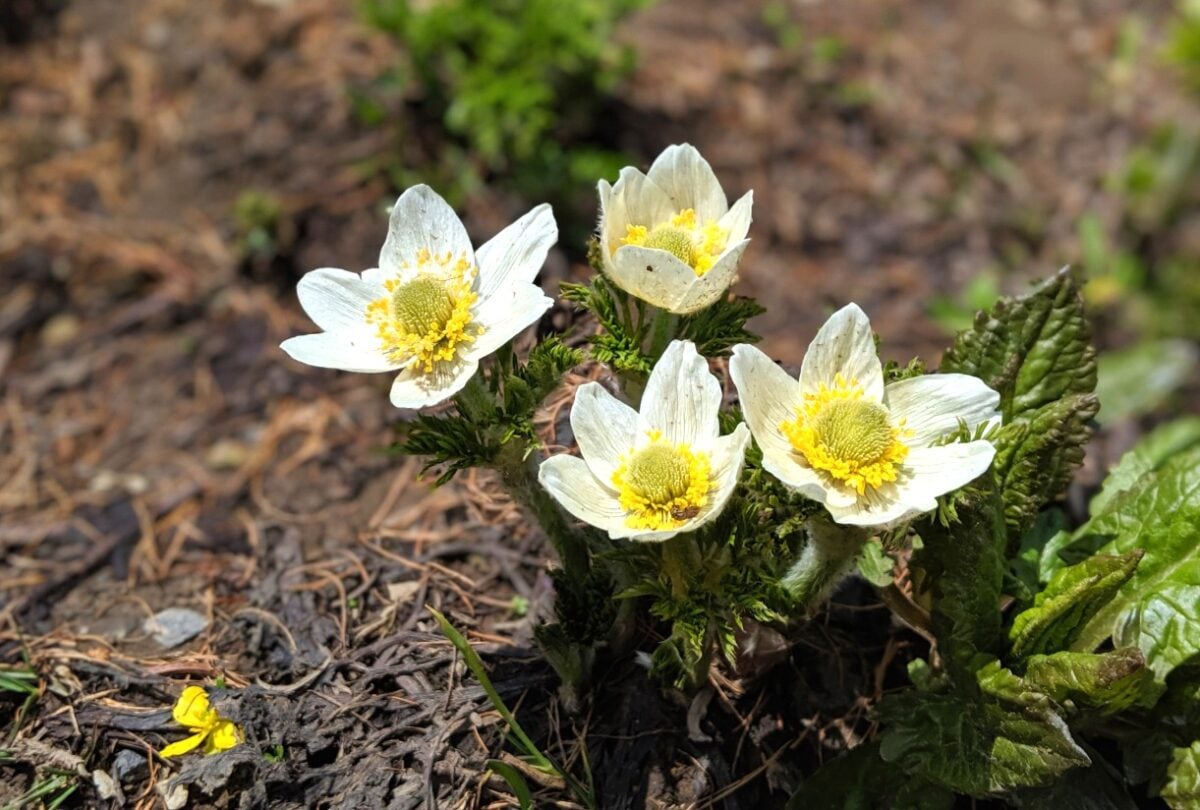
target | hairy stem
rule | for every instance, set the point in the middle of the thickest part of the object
(519, 472)
(826, 559)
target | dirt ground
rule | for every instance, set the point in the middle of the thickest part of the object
(157, 450)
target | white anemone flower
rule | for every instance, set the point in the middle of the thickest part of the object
(869, 452)
(434, 307)
(653, 474)
(669, 237)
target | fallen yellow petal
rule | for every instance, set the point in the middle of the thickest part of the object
(192, 709)
(183, 746)
(225, 735)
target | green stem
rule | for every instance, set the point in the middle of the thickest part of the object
(519, 475)
(475, 401)
(826, 559)
(662, 330)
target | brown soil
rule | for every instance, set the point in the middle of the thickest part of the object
(157, 449)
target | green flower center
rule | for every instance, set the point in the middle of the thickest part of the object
(660, 473)
(422, 305)
(853, 430)
(676, 241)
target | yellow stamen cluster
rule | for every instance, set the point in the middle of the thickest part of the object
(662, 486)
(696, 244)
(425, 320)
(850, 439)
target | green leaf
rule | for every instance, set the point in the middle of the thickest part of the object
(1033, 350)
(1036, 456)
(1182, 790)
(1070, 598)
(622, 319)
(1165, 623)
(720, 327)
(1094, 788)
(964, 566)
(1159, 515)
(1139, 379)
(515, 781)
(860, 780)
(980, 746)
(1026, 567)
(449, 440)
(1151, 453)
(874, 565)
(1106, 683)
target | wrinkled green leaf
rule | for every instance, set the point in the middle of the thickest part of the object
(1026, 567)
(1159, 515)
(1165, 623)
(964, 566)
(1070, 598)
(1182, 790)
(1033, 349)
(1106, 683)
(860, 780)
(978, 747)
(1094, 788)
(1036, 456)
(1139, 379)
(1153, 451)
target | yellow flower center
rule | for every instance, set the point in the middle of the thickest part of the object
(662, 486)
(696, 244)
(427, 319)
(850, 439)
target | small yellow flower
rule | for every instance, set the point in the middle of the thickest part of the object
(193, 711)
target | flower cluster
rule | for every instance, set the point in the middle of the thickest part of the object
(661, 462)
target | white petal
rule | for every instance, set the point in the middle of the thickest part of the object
(706, 289)
(728, 457)
(347, 351)
(655, 276)
(604, 427)
(517, 253)
(572, 484)
(644, 202)
(931, 405)
(930, 472)
(505, 315)
(689, 182)
(737, 220)
(417, 389)
(682, 397)
(879, 509)
(612, 217)
(934, 471)
(422, 219)
(336, 299)
(844, 345)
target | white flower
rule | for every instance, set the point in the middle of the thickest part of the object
(434, 307)
(654, 474)
(670, 237)
(865, 450)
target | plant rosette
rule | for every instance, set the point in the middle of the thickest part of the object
(434, 307)
(869, 452)
(652, 474)
(669, 237)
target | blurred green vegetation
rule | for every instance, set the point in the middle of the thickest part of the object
(515, 93)
(1143, 264)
